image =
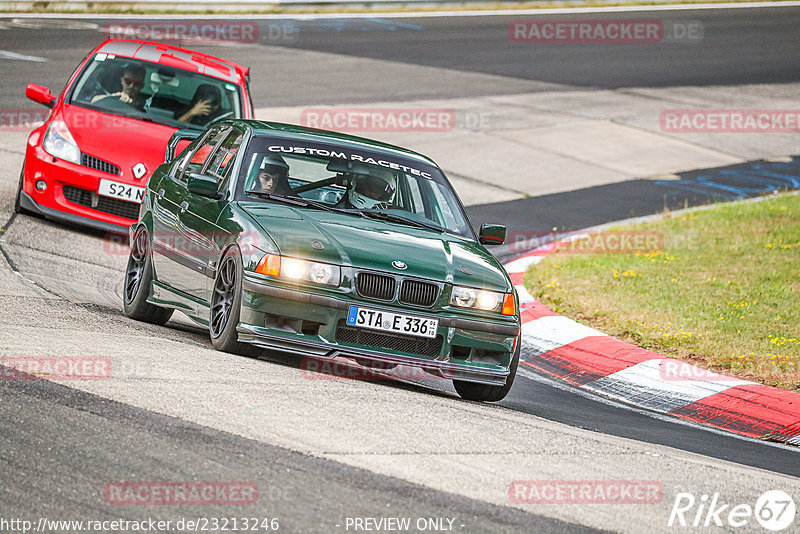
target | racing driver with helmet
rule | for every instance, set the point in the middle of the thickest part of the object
(370, 191)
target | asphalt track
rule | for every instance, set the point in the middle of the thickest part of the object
(737, 47)
(536, 217)
(758, 48)
(50, 442)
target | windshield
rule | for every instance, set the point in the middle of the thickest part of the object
(361, 181)
(149, 91)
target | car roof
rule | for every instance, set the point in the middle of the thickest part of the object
(303, 133)
(177, 57)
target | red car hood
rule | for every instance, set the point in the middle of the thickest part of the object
(122, 141)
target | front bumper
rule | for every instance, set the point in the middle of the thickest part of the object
(471, 350)
(53, 203)
(28, 204)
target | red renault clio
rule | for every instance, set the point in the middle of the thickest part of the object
(108, 130)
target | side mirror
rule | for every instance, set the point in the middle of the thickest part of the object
(205, 186)
(179, 141)
(40, 94)
(492, 234)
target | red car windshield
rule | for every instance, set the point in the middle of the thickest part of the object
(157, 93)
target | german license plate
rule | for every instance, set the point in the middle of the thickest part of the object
(398, 323)
(131, 193)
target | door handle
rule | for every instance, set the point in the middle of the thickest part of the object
(184, 206)
(160, 193)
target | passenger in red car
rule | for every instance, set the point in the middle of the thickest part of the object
(205, 105)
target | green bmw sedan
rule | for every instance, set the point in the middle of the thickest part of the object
(326, 246)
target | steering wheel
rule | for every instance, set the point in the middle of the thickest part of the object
(215, 119)
(98, 87)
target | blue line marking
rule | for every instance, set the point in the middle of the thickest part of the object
(749, 180)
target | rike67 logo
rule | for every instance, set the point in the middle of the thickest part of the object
(774, 510)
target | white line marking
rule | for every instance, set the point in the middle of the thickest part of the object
(523, 294)
(38, 24)
(520, 265)
(427, 14)
(5, 54)
(556, 331)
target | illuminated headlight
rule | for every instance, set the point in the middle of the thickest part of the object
(299, 270)
(479, 299)
(58, 142)
(294, 269)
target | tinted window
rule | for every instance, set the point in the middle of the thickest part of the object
(222, 161)
(351, 179)
(146, 90)
(196, 159)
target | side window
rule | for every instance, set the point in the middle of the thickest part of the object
(417, 205)
(222, 161)
(186, 155)
(443, 209)
(197, 158)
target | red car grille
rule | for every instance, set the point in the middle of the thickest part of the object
(99, 164)
(90, 199)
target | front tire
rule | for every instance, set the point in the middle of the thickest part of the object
(138, 279)
(485, 393)
(18, 200)
(226, 303)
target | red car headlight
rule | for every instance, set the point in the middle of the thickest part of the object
(58, 142)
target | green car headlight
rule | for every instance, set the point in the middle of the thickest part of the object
(480, 299)
(299, 270)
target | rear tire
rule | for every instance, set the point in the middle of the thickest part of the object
(138, 279)
(485, 393)
(226, 302)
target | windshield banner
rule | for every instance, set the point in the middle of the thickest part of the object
(341, 154)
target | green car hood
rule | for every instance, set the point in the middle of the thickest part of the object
(373, 244)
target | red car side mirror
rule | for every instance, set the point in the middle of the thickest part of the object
(40, 94)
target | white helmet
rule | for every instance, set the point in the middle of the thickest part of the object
(370, 190)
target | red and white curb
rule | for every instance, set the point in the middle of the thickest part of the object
(593, 361)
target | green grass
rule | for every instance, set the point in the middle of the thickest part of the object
(722, 293)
